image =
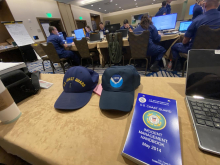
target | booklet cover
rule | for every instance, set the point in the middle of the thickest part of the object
(153, 137)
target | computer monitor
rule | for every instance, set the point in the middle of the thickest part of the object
(191, 9)
(79, 34)
(94, 36)
(165, 22)
(184, 26)
(124, 32)
(112, 28)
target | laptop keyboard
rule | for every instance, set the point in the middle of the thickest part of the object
(206, 114)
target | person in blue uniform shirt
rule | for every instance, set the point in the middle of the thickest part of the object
(210, 17)
(153, 49)
(163, 9)
(88, 31)
(219, 8)
(60, 45)
(102, 28)
(168, 6)
(197, 10)
(127, 26)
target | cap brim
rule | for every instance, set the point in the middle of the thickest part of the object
(72, 101)
(122, 101)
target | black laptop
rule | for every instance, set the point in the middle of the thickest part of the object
(94, 37)
(203, 97)
(124, 32)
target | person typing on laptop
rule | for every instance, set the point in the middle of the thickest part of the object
(127, 26)
(153, 49)
(210, 17)
(60, 45)
(102, 28)
(88, 31)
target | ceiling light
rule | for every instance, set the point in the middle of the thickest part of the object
(134, 0)
(116, 4)
(105, 10)
(153, 0)
(91, 5)
(152, 3)
(99, 8)
(119, 7)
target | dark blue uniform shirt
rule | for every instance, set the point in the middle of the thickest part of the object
(211, 17)
(88, 34)
(130, 27)
(197, 10)
(219, 8)
(153, 49)
(57, 42)
(103, 31)
(168, 9)
(161, 11)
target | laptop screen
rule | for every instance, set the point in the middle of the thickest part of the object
(79, 34)
(191, 9)
(184, 26)
(165, 22)
(203, 75)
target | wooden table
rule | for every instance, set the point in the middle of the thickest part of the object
(90, 136)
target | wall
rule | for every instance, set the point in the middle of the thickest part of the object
(118, 17)
(187, 16)
(5, 15)
(85, 14)
(22, 10)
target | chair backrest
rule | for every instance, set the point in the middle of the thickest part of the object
(139, 44)
(207, 37)
(51, 52)
(82, 47)
(38, 49)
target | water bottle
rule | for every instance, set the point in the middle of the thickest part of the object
(169, 67)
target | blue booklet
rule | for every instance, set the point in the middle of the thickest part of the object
(153, 137)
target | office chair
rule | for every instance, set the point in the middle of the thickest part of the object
(53, 56)
(41, 53)
(138, 45)
(83, 49)
(207, 37)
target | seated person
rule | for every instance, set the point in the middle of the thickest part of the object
(88, 31)
(127, 26)
(219, 8)
(210, 17)
(163, 9)
(168, 6)
(197, 10)
(153, 49)
(102, 28)
(60, 45)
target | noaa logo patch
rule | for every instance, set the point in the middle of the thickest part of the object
(154, 120)
(142, 100)
(116, 81)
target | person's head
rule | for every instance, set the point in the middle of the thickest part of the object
(211, 4)
(88, 29)
(126, 23)
(145, 21)
(169, 1)
(164, 3)
(53, 30)
(200, 2)
(101, 25)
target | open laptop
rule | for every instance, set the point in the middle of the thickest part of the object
(94, 37)
(184, 26)
(124, 32)
(203, 97)
(112, 28)
(79, 34)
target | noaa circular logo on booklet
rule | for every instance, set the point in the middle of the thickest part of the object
(116, 81)
(154, 120)
(142, 100)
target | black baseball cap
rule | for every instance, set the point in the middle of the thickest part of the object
(78, 85)
(119, 84)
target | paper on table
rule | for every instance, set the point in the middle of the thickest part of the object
(19, 33)
(44, 84)
(98, 89)
(46, 28)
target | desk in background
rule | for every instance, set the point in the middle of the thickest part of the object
(43, 135)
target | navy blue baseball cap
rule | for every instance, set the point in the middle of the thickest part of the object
(78, 85)
(119, 84)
